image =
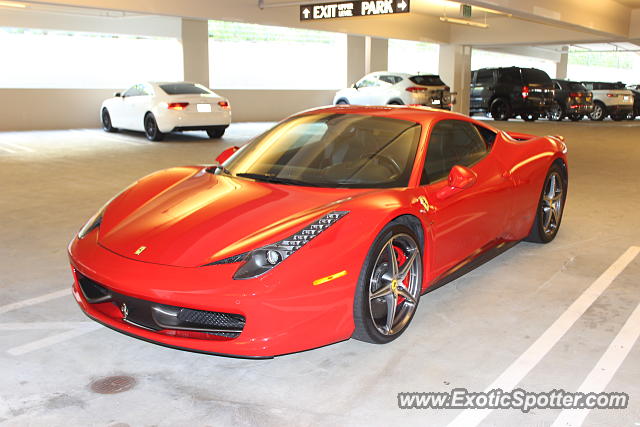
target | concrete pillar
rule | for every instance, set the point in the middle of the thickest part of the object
(562, 65)
(455, 71)
(377, 53)
(195, 50)
(365, 55)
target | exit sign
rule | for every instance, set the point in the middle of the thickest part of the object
(349, 9)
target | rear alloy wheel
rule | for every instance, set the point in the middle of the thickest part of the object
(342, 102)
(107, 126)
(500, 110)
(389, 287)
(395, 102)
(151, 128)
(216, 132)
(598, 113)
(556, 112)
(550, 207)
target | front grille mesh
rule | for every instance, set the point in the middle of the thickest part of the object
(211, 319)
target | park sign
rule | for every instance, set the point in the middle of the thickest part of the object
(349, 9)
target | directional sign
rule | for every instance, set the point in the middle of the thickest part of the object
(348, 9)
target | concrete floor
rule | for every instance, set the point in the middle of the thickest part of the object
(464, 335)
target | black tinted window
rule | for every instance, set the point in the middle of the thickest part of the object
(484, 77)
(575, 86)
(533, 75)
(510, 75)
(184, 89)
(427, 80)
(452, 142)
(390, 79)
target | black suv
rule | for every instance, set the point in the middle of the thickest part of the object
(510, 92)
(571, 100)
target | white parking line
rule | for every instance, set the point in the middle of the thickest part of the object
(53, 339)
(32, 326)
(34, 301)
(605, 369)
(532, 356)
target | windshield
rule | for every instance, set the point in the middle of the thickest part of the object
(184, 89)
(331, 150)
(575, 86)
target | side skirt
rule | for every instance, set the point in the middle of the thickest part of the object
(470, 263)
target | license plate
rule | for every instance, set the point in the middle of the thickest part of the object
(435, 101)
(204, 108)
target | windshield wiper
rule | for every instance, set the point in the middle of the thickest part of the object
(276, 179)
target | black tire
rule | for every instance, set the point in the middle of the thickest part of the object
(217, 132)
(500, 110)
(576, 117)
(540, 232)
(529, 117)
(599, 112)
(107, 126)
(556, 112)
(375, 277)
(342, 101)
(395, 102)
(151, 128)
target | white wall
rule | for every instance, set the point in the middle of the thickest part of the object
(26, 109)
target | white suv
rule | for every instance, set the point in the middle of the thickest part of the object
(387, 88)
(610, 99)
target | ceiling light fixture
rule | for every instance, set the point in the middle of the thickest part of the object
(464, 22)
(12, 4)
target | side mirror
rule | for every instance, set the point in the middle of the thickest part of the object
(460, 178)
(117, 94)
(355, 86)
(222, 157)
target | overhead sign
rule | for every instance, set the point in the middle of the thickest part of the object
(349, 9)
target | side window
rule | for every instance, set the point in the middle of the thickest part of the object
(132, 91)
(452, 142)
(390, 79)
(511, 76)
(488, 135)
(366, 82)
(484, 77)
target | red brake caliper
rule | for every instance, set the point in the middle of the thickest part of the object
(402, 258)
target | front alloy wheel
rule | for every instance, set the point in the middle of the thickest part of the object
(389, 290)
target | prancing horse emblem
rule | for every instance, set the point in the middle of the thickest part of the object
(140, 250)
(125, 310)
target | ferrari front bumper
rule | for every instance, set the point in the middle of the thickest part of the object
(283, 312)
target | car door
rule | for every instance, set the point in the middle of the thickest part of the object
(137, 106)
(481, 89)
(464, 222)
(366, 91)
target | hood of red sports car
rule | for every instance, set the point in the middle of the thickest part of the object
(187, 217)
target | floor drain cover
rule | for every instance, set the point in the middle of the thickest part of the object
(112, 385)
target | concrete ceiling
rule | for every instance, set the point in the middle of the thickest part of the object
(633, 4)
(514, 23)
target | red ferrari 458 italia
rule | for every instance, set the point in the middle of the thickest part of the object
(328, 226)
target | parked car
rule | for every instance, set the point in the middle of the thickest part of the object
(636, 101)
(571, 100)
(610, 99)
(157, 108)
(329, 226)
(509, 92)
(387, 88)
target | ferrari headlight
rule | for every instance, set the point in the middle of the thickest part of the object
(261, 260)
(92, 224)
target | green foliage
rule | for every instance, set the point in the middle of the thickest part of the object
(619, 60)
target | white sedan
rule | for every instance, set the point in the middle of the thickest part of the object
(157, 108)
